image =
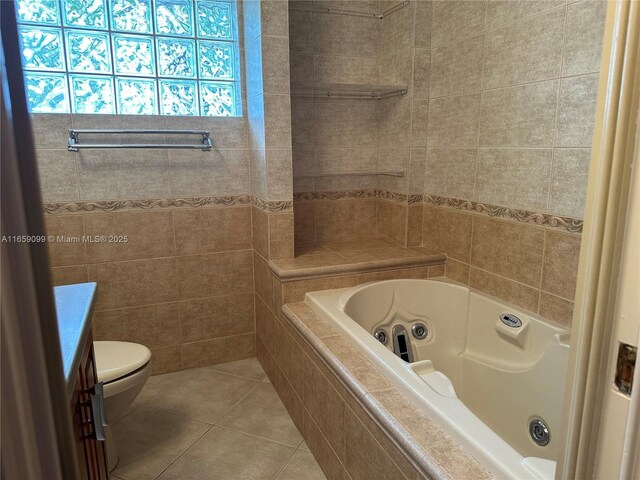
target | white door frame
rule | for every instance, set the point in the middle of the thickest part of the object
(614, 147)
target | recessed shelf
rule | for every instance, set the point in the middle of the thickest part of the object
(349, 90)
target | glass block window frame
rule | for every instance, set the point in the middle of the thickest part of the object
(134, 57)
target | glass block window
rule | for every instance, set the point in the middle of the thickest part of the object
(133, 57)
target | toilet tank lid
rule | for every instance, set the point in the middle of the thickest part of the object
(118, 359)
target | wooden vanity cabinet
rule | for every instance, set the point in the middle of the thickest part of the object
(90, 450)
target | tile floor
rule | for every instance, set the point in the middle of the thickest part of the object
(221, 422)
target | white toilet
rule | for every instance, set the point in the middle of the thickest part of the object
(124, 368)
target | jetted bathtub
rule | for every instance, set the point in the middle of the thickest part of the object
(489, 373)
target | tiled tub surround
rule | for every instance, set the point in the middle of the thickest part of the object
(530, 266)
(512, 92)
(357, 425)
(182, 284)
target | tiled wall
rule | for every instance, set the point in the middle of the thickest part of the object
(183, 283)
(512, 95)
(269, 125)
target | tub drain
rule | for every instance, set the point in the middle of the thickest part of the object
(539, 432)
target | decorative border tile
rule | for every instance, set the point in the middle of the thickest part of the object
(569, 224)
(339, 195)
(115, 205)
(276, 206)
(572, 225)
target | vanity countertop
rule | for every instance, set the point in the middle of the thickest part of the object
(74, 307)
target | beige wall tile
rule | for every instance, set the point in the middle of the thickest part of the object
(364, 457)
(67, 247)
(123, 174)
(500, 12)
(456, 19)
(279, 174)
(391, 223)
(300, 31)
(301, 124)
(518, 178)
(505, 289)
(214, 317)
(351, 36)
(262, 281)
(208, 230)
(219, 172)
(344, 219)
(277, 121)
(507, 249)
(556, 309)
(294, 291)
(343, 69)
(135, 282)
(326, 408)
(457, 271)
(457, 67)
(583, 43)
(447, 231)
(451, 172)
(569, 181)
(215, 274)
(561, 255)
(281, 235)
(304, 222)
(421, 70)
(275, 63)
(422, 35)
(576, 111)
(260, 231)
(519, 116)
(453, 121)
(151, 325)
(529, 50)
(301, 66)
(322, 451)
(414, 225)
(70, 274)
(218, 350)
(345, 124)
(50, 131)
(265, 325)
(419, 123)
(58, 172)
(166, 359)
(274, 16)
(149, 235)
(416, 172)
(394, 117)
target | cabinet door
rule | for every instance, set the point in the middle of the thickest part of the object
(91, 451)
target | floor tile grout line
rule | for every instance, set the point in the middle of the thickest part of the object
(235, 374)
(285, 464)
(235, 405)
(224, 427)
(185, 451)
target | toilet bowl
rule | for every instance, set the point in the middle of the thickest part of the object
(124, 368)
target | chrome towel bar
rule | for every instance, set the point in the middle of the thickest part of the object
(73, 144)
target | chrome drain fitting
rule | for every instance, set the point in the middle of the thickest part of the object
(539, 432)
